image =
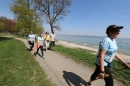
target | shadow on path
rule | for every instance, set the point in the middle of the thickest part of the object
(72, 78)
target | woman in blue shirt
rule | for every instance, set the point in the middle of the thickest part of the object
(31, 39)
(106, 53)
(40, 41)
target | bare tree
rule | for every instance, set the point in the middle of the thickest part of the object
(53, 10)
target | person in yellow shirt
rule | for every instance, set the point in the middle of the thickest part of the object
(47, 40)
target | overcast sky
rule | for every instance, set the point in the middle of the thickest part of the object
(88, 17)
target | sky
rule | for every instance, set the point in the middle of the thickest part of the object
(88, 17)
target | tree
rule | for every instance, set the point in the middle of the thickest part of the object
(53, 10)
(1, 23)
(1, 26)
(25, 16)
(9, 25)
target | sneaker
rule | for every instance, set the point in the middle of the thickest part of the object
(36, 55)
(43, 57)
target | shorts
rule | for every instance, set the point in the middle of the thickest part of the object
(52, 43)
(31, 42)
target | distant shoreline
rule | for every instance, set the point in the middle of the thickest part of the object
(74, 45)
(92, 36)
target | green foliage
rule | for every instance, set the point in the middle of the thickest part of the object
(87, 58)
(18, 66)
(77, 54)
(1, 26)
(27, 19)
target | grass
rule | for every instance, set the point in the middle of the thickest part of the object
(18, 66)
(87, 58)
(1, 34)
(79, 55)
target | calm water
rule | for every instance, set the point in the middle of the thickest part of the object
(93, 41)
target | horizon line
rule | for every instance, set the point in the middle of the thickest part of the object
(90, 35)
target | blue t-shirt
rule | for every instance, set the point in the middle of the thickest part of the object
(31, 37)
(110, 46)
(40, 40)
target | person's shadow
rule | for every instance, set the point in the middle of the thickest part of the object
(73, 79)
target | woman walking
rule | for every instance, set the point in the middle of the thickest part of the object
(106, 54)
(31, 40)
(39, 45)
(47, 40)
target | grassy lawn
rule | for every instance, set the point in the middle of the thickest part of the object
(18, 66)
(1, 34)
(87, 58)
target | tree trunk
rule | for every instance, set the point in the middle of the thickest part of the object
(51, 28)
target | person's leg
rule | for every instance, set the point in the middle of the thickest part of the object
(46, 44)
(49, 45)
(37, 51)
(94, 75)
(109, 79)
(53, 44)
(32, 45)
(42, 50)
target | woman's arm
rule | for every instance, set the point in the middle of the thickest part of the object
(101, 62)
(121, 60)
(101, 59)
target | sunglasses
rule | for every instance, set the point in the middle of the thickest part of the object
(116, 30)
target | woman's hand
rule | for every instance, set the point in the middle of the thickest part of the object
(127, 65)
(101, 76)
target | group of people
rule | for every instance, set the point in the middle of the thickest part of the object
(47, 40)
(106, 53)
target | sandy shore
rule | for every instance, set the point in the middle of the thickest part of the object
(73, 45)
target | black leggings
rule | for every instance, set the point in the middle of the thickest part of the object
(108, 80)
(31, 45)
(40, 47)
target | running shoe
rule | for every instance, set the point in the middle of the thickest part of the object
(43, 57)
(36, 55)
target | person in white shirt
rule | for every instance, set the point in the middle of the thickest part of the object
(52, 43)
(31, 39)
(40, 41)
